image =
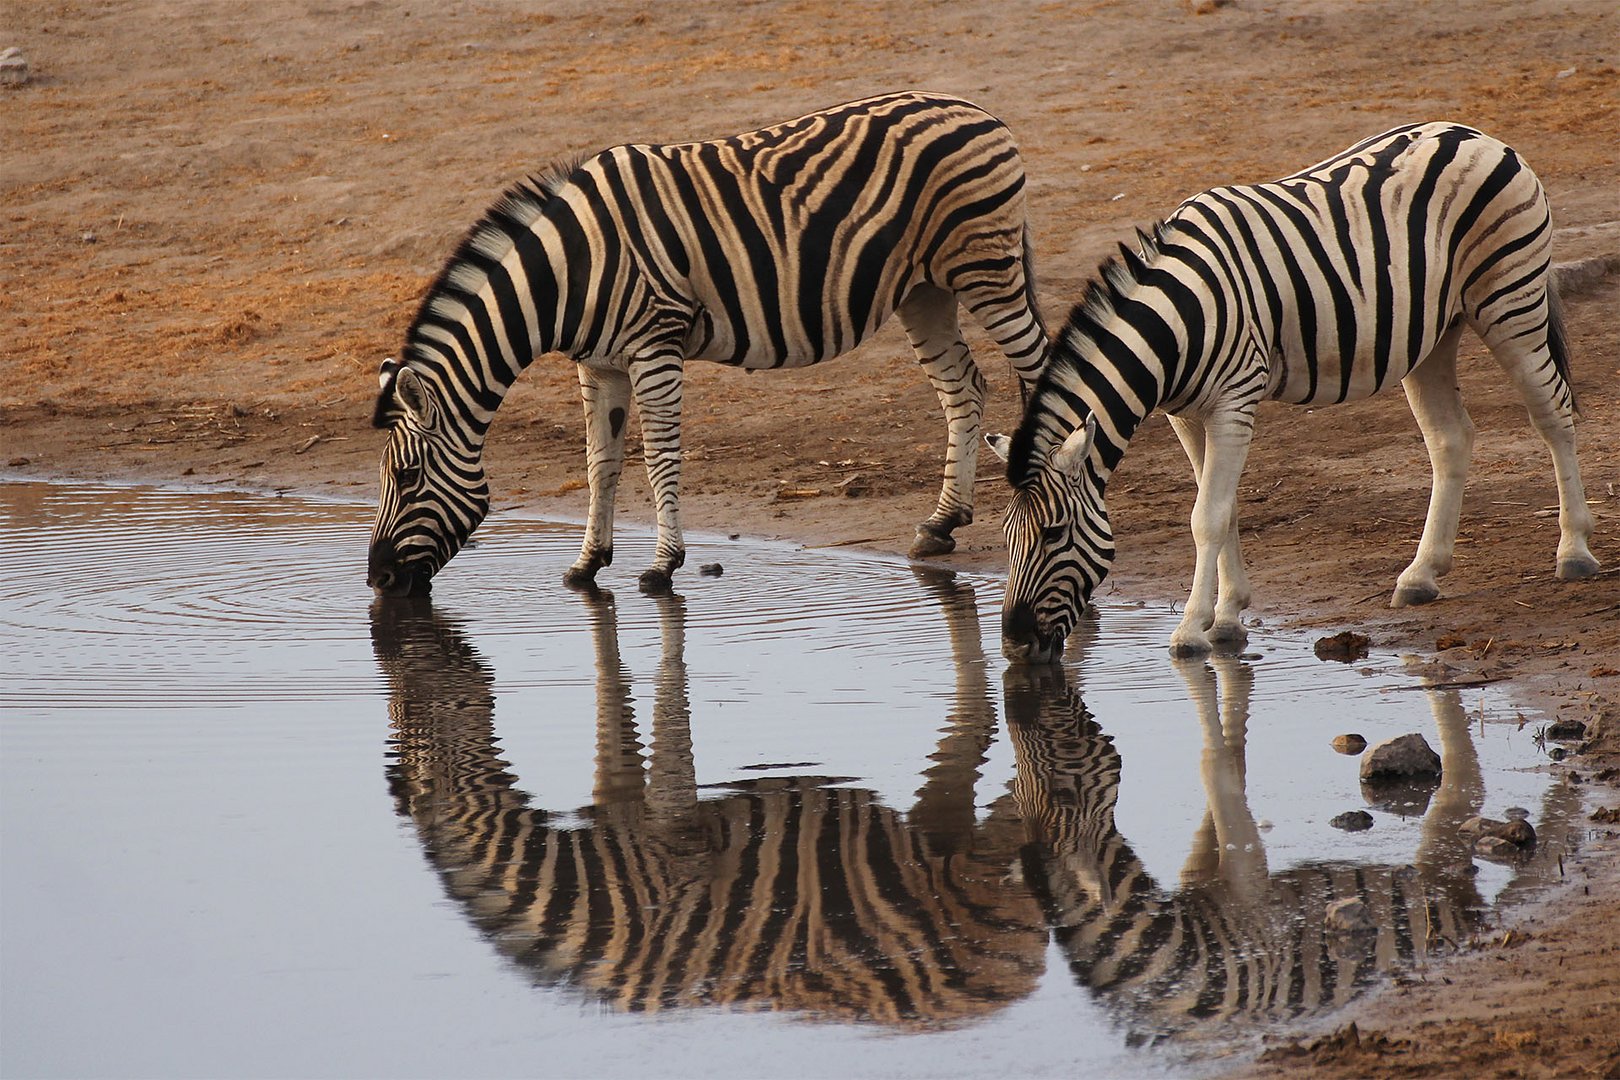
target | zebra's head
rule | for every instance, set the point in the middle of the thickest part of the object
(1059, 544)
(432, 493)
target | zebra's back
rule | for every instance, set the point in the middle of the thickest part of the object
(797, 241)
(1352, 270)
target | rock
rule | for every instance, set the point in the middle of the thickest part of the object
(1516, 831)
(1584, 275)
(1348, 916)
(712, 569)
(1349, 744)
(1345, 647)
(1516, 813)
(1353, 821)
(1494, 847)
(13, 67)
(1566, 730)
(1402, 756)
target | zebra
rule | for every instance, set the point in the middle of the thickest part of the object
(775, 248)
(1323, 287)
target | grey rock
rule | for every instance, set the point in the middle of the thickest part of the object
(1353, 821)
(1401, 757)
(13, 67)
(1516, 831)
(1348, 916)
(1349, 744)
(1566, 730)
(1494, 847)
(712, 569)
(1516, 813)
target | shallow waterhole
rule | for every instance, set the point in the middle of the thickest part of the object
(798, 818)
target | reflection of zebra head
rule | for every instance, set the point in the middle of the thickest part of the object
(799, 893)
(432, 492)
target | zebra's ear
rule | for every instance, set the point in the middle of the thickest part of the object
(412, 394)
(999, 445)
(1070, 458)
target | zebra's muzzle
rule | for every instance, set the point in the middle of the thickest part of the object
(392, 578)
(1022, 641)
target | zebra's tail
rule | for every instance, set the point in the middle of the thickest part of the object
(1557, 341)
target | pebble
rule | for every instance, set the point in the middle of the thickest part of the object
(1494, 847)
(1353, 821)
(13, 67)
(1346, 647)
(1349, 744)
(1517, 831)
(1566, 730)
(712, 569)
(1404, 755)
(1348, 916)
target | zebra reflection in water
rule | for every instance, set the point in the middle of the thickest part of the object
(784, 893)
(806, 894)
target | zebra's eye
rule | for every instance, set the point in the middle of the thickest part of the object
(408, 475)
(1054, 534)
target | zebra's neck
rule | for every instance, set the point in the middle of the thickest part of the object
(505, 298)
(1121, 351)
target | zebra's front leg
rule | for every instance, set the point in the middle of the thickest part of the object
(929, 316)
(1214, 518)
(606, 394)
(1233, 594)
(1448, 433)
(656, 382)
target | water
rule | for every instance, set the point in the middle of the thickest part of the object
(798, 819)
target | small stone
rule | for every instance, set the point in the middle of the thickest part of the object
(712, 569)
(1518, 832)
(1402, 756)
(1566, 730)
(1494, 847)
(13, 67)
(1346, 647)
(19, 461)
(1349, 744)
(1516, 813)
(1348, 916)
(88, 238)
(1353, 821)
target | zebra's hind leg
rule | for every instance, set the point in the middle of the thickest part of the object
(1538, 371)
(1448, 433)
(656, 381)
(929, 316)
(1232, 588)
(606, 394)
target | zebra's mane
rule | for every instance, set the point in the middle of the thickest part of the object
(1117, 277)
(490, 240)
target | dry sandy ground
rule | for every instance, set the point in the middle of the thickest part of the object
(215, 220)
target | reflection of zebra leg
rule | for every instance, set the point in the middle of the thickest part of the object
(1226, 845)
(619, 778)
(672, 778)
(944, 809)
(1440, 912)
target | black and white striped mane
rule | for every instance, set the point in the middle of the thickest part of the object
(489, 241)
(492, 237)
(1116, 279)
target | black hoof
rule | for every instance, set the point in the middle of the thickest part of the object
(930, 542)
(655, 582)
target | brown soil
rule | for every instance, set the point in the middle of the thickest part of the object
(218, 218)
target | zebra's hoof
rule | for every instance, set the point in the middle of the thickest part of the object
(1412, 595)
(1183, 647)
(580, 577)
(1573, 569)
(655, 582)
(928, 543)
(1229, 633)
